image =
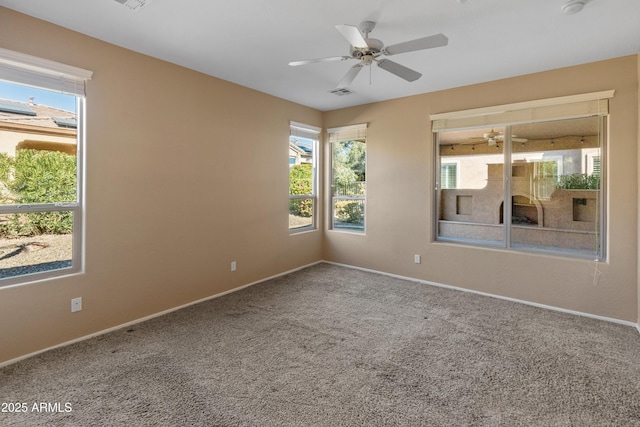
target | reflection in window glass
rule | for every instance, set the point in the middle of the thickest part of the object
(470, 210)
(553, 186)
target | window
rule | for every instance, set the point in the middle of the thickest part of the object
(594, 162)
(549, 198)
(41, 167)
(449, 175)
(303, 146)
(348, 178)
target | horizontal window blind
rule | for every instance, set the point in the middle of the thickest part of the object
(348, 133)
(566, 107)
(301, 130)
(32, 71)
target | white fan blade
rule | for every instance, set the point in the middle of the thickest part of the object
(311, 61)
(429, 42)
(350, 76)
(353, 35)
(399, 70)
(500, 137)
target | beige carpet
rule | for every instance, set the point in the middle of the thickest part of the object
(331, 346)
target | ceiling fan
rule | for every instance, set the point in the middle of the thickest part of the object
(492, 137)
(367, 50)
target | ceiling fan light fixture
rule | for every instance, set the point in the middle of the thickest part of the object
(491, 134)
(134, 4)
(570, 7)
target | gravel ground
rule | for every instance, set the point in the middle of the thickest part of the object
(33, 254)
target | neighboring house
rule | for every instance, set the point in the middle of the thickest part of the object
(29, 125)
(299, 152)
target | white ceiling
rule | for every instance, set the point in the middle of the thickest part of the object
(250, 42)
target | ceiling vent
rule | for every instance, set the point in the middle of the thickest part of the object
(341, 91)
(134, 4)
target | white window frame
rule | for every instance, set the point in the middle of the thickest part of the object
(312, 133)
(41, 73)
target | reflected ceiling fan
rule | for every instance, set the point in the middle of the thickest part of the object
(492, 137)
(367, 50)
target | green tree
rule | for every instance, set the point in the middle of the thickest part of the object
(356, 159)
(349, 167)
(349, 176)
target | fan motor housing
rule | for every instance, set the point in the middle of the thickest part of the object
(374, 48)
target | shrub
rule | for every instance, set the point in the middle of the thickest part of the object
(38, 177)
(300, 182)
(350, 212)
(579, 181)
(6, 166)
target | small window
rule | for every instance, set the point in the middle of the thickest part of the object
(348, 178)
(303, 147)
(449, 175)
(594, 162)
(41, 168)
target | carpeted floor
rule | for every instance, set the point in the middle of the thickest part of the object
(332, 346)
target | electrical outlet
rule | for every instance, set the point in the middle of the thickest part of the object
(233, 266)
(76, 304)
(416, 259)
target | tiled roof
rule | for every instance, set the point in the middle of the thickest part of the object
(44, 116)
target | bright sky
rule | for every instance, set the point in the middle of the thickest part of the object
(21, 93)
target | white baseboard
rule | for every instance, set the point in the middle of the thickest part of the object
(143, 319)
(162, 313)
(534, 304)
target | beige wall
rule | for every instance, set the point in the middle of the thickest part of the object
(400, 197)
(185, 173)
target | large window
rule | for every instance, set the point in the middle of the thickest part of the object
(303, 146)
(41, 167)
(549, 198)
(348, 178)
